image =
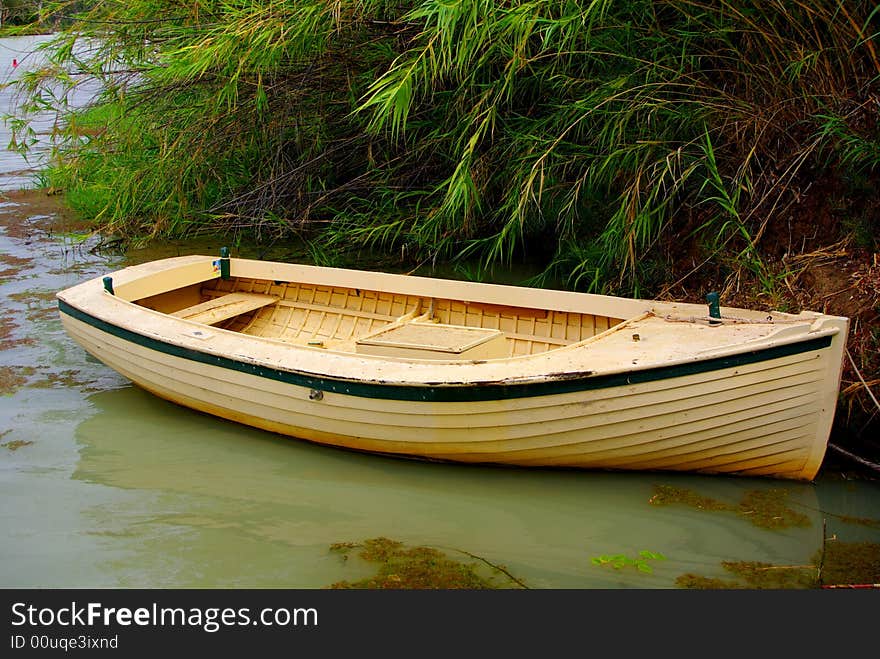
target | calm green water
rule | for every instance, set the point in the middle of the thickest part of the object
(17, 56)
(103, 485)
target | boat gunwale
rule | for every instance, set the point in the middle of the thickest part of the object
(448, 391)
(573, 300)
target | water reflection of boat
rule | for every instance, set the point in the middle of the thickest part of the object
(198, 501)
(470, 372)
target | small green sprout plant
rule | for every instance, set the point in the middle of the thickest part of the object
(620, 561)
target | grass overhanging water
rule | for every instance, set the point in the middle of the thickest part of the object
(580, 134)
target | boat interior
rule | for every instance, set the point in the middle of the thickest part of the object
(377, 323)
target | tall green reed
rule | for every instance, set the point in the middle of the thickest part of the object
(590, 136)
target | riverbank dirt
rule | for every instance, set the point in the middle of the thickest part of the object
(839, 278)
(46, 215)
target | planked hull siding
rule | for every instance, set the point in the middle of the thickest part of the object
(769, 417)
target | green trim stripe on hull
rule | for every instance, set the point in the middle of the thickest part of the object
(447, 393)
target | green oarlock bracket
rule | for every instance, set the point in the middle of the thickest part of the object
(224, 263)
(108, 284)
(714, 305)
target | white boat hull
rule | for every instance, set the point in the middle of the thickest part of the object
(765, 412)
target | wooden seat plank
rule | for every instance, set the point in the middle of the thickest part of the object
(225, 307)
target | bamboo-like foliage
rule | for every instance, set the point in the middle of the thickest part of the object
(587, 134)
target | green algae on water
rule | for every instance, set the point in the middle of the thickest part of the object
(766, 508)
(755, 575)
(15, 444)
(763, 508)
(696, 582)
(7, 340)
(640, 562)
(667, 495)
(40, 304)
(11, 265)
(838, 564)
(850, 562)
(66, 379)
(402, 567)
(13, 378)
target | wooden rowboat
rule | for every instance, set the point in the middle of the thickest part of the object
(470, 372)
